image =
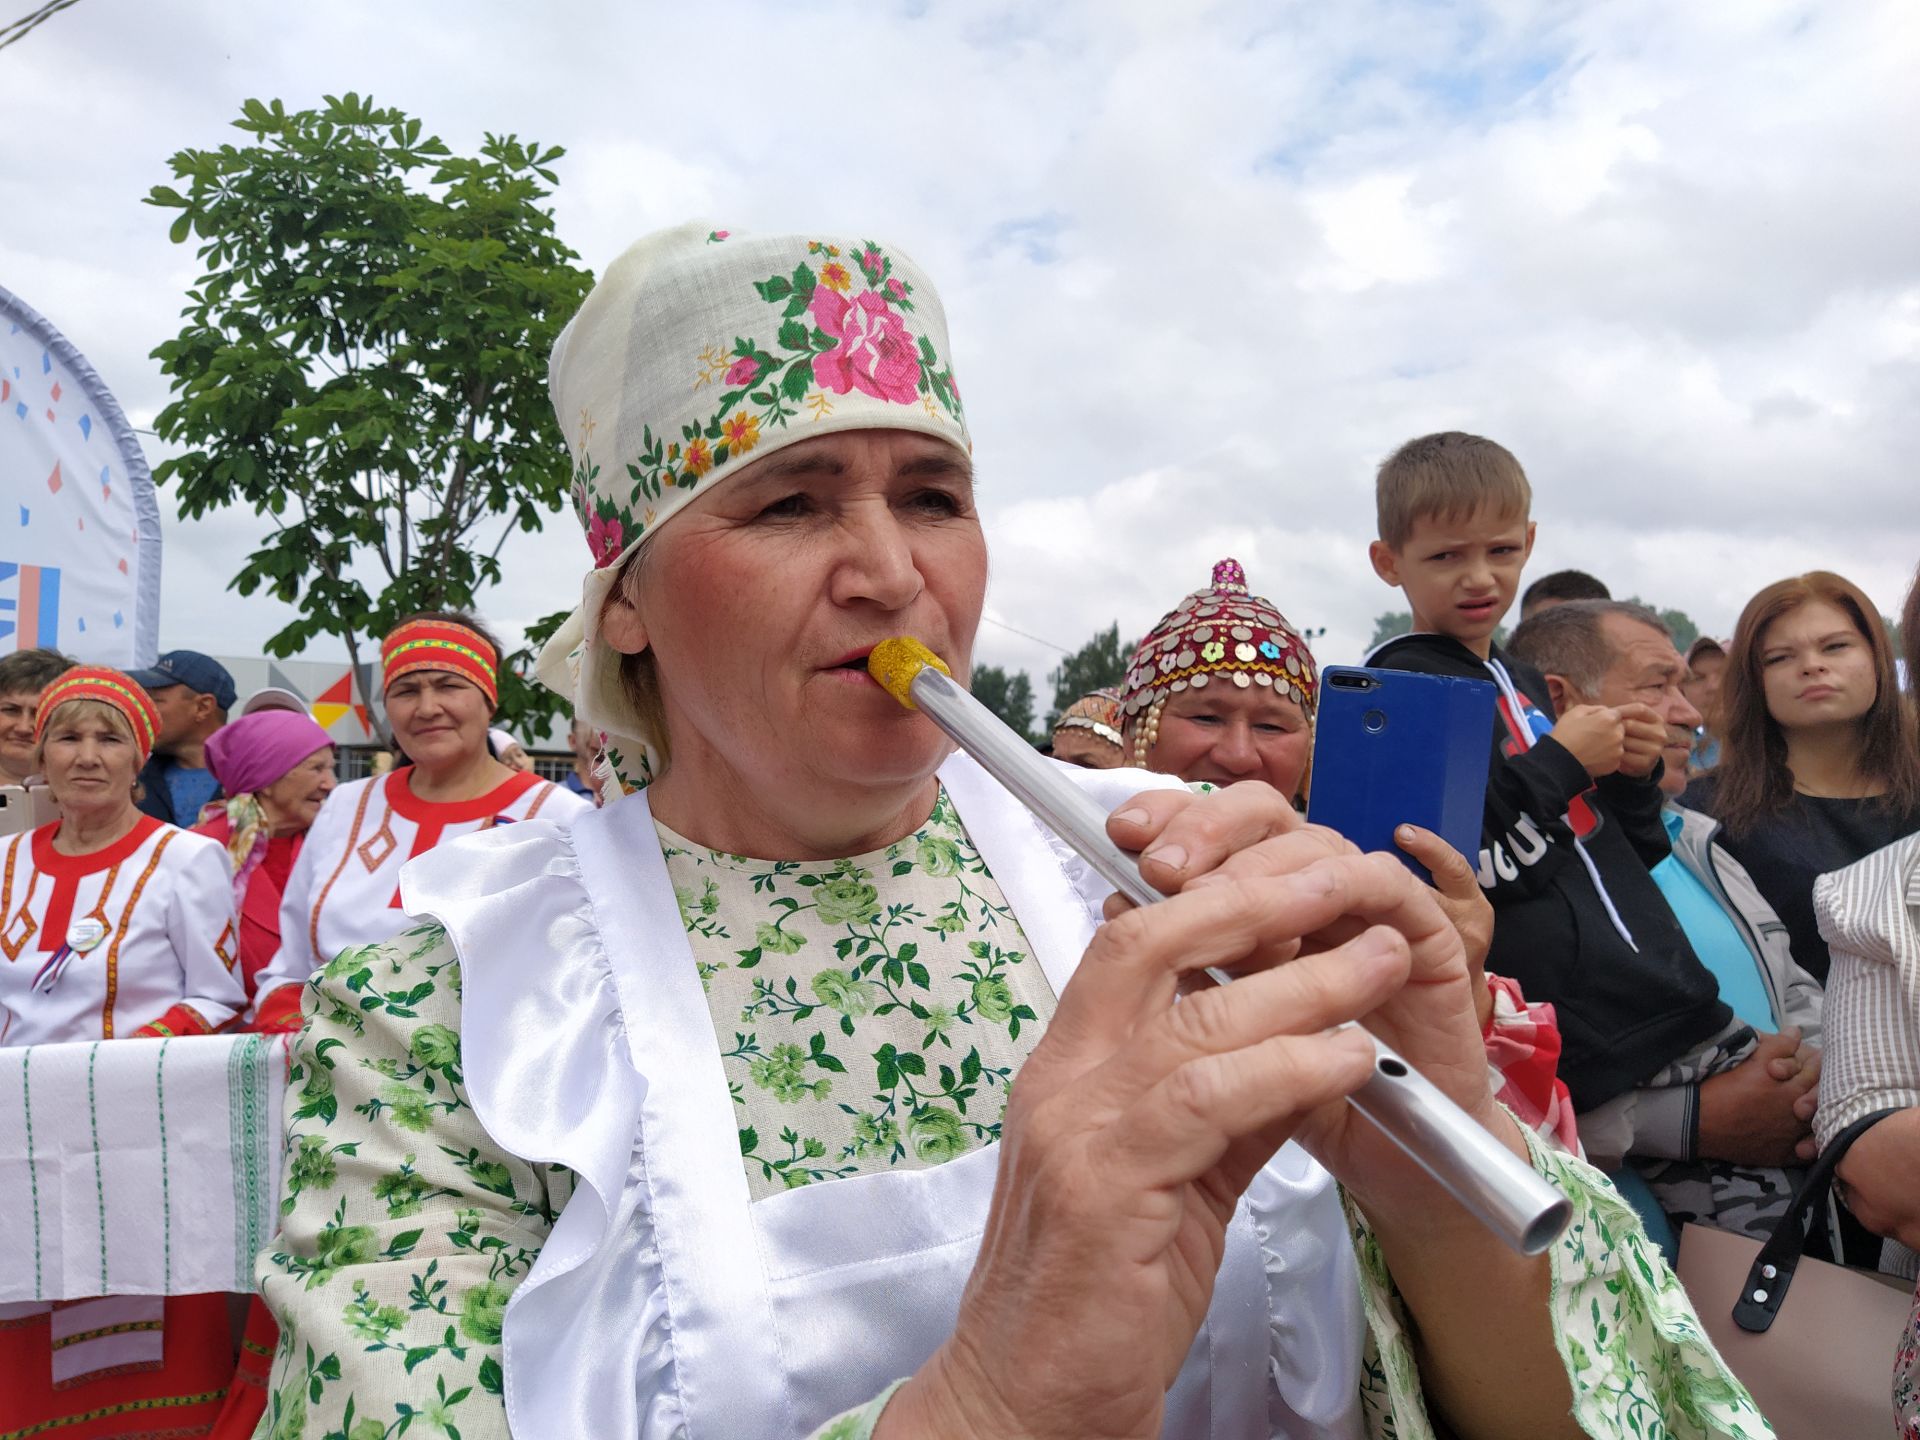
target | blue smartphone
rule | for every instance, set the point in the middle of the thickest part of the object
(1391, 747)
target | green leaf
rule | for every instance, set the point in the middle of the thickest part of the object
(798, 380)
(179, 230)
(778, 288)
(417, 1356)
(911, 1063)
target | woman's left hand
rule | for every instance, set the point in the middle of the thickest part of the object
(1249, 830)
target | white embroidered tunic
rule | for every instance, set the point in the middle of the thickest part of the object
(345, 887)
(96, 946)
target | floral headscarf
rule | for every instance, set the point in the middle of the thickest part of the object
(699, 351)
(1221, 633)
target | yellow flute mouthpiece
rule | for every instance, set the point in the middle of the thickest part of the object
(895, 662)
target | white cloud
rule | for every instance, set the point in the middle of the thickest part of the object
(1204, 265)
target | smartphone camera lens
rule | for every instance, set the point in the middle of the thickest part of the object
(1375, 721)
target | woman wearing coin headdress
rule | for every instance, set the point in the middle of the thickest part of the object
(778, 1091)
(112, 924)
(1087, 733)
(1223, 689)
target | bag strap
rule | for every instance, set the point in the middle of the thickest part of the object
(1772, 1269)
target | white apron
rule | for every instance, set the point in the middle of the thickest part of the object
(664, 1302)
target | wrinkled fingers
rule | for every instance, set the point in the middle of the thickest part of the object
(1181, 835)
(1182, 1126)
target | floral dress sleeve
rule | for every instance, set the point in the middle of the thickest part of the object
(403, 1228)
(1638, 1360)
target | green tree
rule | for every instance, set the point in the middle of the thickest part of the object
(363, 363)
(1008, 695)
(1679, 624)
(1388, 625)
(1101, 662)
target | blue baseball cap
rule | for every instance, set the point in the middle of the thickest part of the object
(201, 674)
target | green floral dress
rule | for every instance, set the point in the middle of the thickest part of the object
(860, 1034)
(846, 1021)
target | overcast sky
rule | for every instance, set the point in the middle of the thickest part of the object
(1204, 265)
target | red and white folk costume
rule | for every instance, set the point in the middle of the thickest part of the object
(136, 939)
(345, 886)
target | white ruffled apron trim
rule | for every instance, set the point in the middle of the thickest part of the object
(666, 1303)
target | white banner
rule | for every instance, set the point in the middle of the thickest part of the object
(79, 525)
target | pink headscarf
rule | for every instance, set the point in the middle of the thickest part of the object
(258, 749)
(246, 756)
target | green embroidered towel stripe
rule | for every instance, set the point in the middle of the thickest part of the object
(139, 1167)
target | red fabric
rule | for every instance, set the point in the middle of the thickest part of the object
(179, 1020)
(180, 1399)
(109, 687)
(439, 645)
(431, 817)
(282, 851)
(66, 871)
(247, 1396)
(1523, 1047)
(279, 1013)
(260, 909)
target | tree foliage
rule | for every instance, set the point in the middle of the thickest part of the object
(1679, 624)
(363, 362)
(1008, 695)
(1101, 662)
(1388, 625)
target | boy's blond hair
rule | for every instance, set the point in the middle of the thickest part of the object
(1449, 476)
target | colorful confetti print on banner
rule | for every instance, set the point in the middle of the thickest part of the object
(80, 536)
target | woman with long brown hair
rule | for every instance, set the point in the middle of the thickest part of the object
(1820, 764)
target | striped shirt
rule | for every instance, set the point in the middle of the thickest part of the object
(1869, 914)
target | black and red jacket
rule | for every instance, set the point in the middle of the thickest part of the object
(1578, 919)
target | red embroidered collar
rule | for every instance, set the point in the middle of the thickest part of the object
(439, 813)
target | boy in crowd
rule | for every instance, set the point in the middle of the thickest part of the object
(1572, 823)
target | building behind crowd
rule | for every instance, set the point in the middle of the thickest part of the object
(337, 699)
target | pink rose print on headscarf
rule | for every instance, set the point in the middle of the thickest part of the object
(743, 371)
(875, 355)
(603, 539)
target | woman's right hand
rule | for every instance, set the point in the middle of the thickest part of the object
(1132, 1131)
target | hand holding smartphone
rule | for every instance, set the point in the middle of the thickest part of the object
(1391, 747)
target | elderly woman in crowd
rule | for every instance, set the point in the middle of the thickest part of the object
(23, 675)
(442, 686)
(1223, 689)
(1087, 733)
(112, 924)
(1870, 914)
(275, 769)
(682, 1121)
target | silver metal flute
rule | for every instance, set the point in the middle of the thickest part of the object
(1495, 1186)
